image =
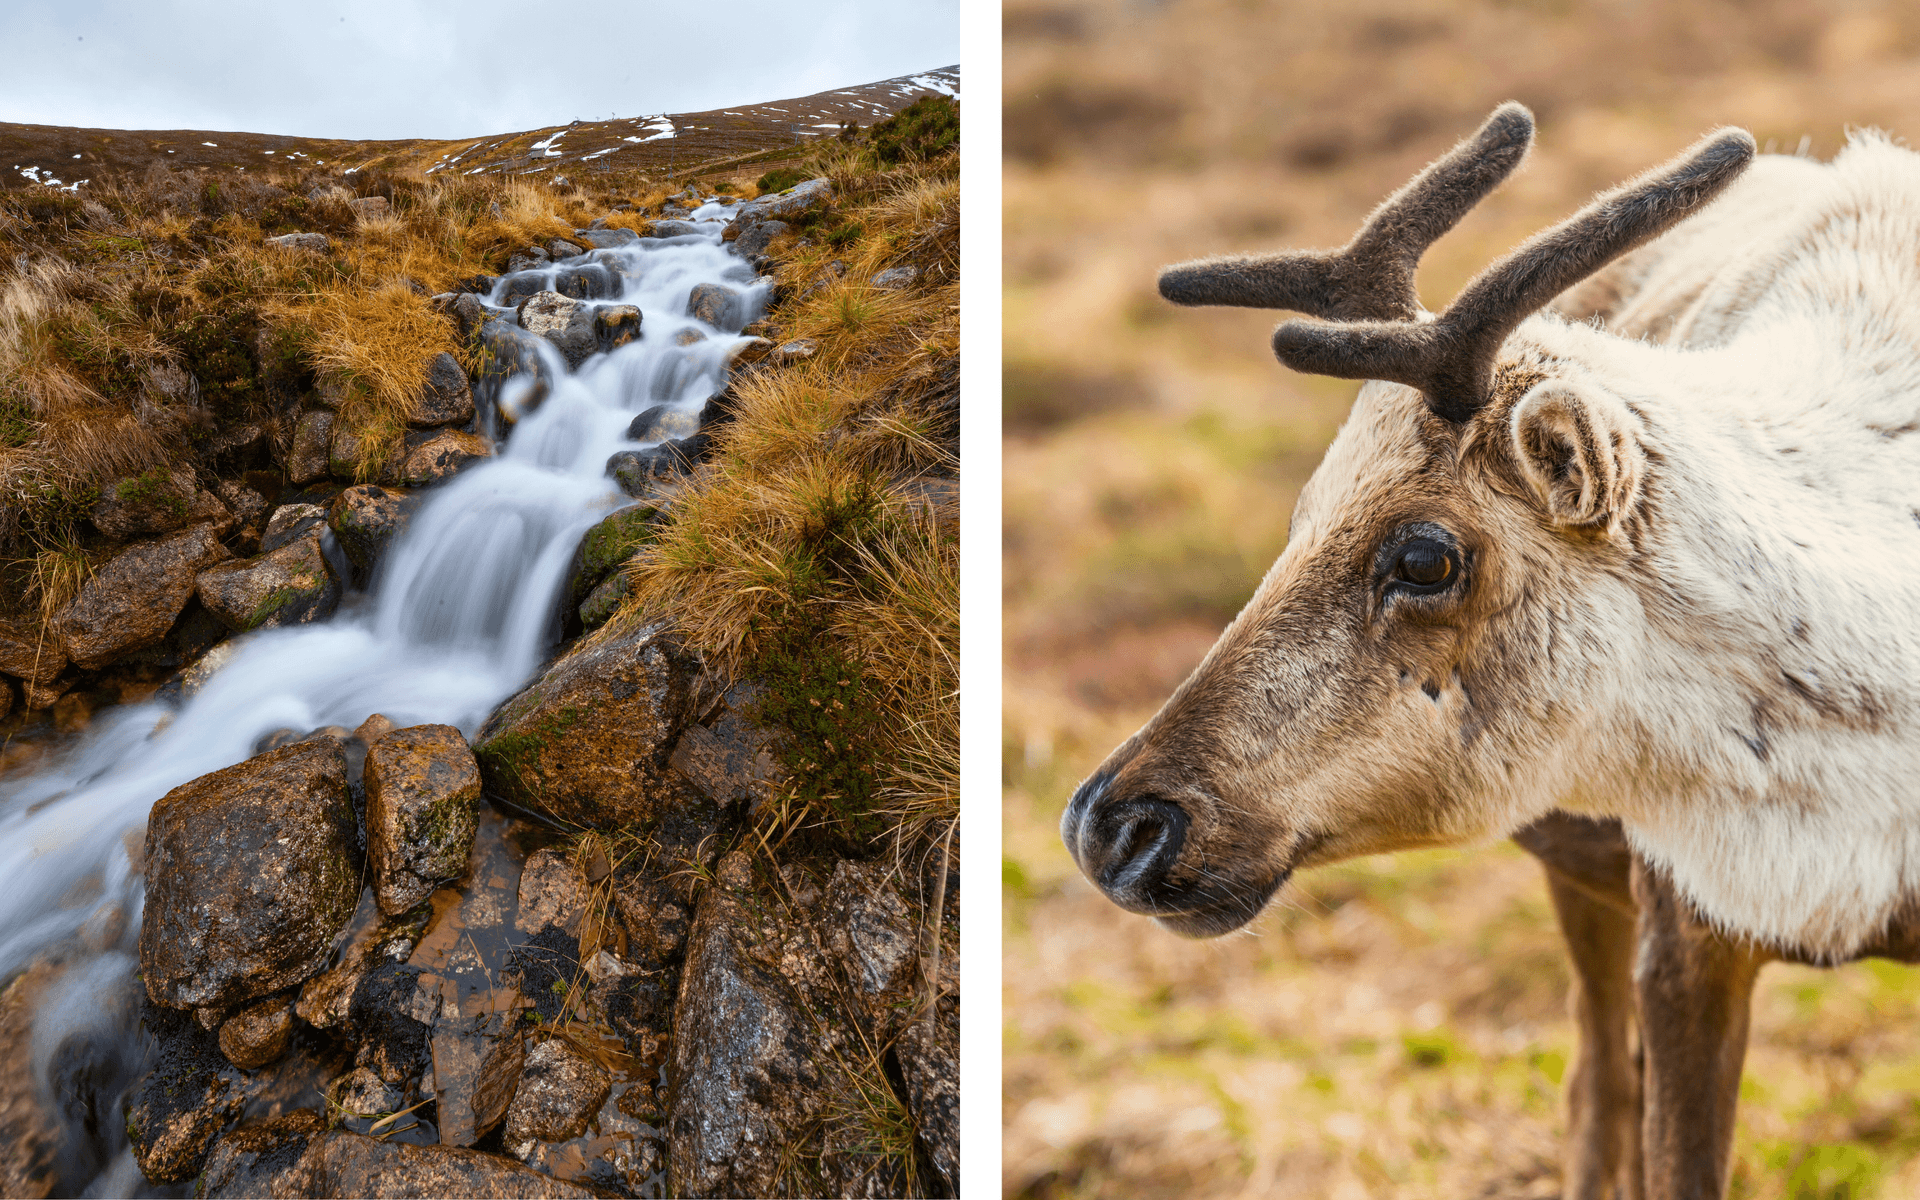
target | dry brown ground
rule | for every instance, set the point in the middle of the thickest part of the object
(1394, 1027)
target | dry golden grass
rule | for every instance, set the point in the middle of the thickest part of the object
(1395, 1028)
(810, 511)
(378, 346)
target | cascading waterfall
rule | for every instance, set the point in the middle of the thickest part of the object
(461, 614)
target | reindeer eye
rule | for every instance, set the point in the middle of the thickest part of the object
(1424, 564)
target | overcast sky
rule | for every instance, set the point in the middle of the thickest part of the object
(410, 68)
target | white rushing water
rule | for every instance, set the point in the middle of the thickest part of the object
(463, 609)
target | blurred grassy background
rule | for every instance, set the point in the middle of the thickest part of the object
(1394, 1027)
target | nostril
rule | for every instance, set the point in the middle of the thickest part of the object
(1146, 846)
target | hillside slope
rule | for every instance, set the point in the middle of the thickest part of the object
(60, 155)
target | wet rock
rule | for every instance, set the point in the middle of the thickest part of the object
(599, 606)
(531, 257)
(616, 325)
(312, 441)
(929, 1055)
(795, 201)
(291, 584)
(664, 422)
(366, 519)
(477, 1059)
(606, 239)
(326, 1000)
(466, 310)
(250, 876)
(717, 304)
(291, 523)
(896, 278)
(297, 1155)
(513, 377)
(316, 242)
(445, 399)
(560, 248)
(553, 893)
(689, 337)
(732, 761)
(586, 743)
(757, 1046)
(442, 456)
(670, 229)
(177, 1110)
(794, 351)
(389, 1019)
(565, 322)
(263, 1159)
(159, 501)
(422, 785)
(606, 547)
(560, 1091)
(37, 659)
(31, 1141)
(374, 728)
(586, 281)
(523, 285)
(133, 600)
(756, 236)
(639, 471)
(363, 1093)
(257, 1035)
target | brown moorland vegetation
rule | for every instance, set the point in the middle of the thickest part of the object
(1394, 1027)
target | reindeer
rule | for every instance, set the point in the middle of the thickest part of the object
(1630, 578)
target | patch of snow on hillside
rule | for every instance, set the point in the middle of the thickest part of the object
(215, 145)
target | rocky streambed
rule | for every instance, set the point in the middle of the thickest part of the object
(375, 895)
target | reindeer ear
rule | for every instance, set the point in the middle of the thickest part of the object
(1580, 449)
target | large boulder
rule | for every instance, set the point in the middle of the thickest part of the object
(586, 744)
(422, 786)
(562, 320)
(762, 1053)
(607, 546)
(292, 583)
(250, 877)
(133, 600)
(366, 520)
(445, 399)
(799, 199)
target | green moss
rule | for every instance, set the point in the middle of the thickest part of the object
(515, 754)
(845, 234)
(17, 426)
(832, 718)
(780, 179)
(276, 600)
(145, 489)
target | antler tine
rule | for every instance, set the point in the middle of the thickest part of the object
(1371, 277)
(1451, 358)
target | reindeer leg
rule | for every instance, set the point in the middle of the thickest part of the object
(1695, 989)
(1588, 875)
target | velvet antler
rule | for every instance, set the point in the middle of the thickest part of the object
(1371, 277)
(1376, 329)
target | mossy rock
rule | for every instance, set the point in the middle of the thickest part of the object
(586, 744)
